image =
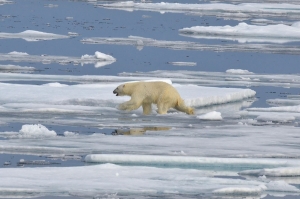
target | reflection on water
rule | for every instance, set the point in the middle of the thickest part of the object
(138, 131)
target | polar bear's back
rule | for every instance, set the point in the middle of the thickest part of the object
(153, 90)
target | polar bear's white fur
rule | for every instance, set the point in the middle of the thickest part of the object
(145, 93)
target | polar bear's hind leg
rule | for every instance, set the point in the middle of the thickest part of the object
(146, 108)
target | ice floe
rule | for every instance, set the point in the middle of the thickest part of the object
(275, 172)
(104, 180)
(141, 42)
(3, 2)
(238, 71)
(56, 93)
(225, 10)
(99, 59)
(243, 33)
(183, 63)
(32, 35)
(16, 68)
(240, 147)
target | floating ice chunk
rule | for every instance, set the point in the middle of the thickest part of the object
(17, 53)
(185, 45)
(175, 160)
(47, 59)
(68, 133)
(3, 2)
(211, 116)
(103, 56)
(276, 172)
(238, 71)
(59, 94)
(73, 34)
(281, 186)
(278, 109)
(16, 68)
(275, 118)
(32, 35)
(55, 84)
(35, 130)
(105, 179)
(51, 5)
(210, 96)
(106, 59)
(183, 63)
(228, 11)
(257, 190)
(243, 32)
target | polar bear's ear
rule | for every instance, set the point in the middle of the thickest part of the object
(123, 85)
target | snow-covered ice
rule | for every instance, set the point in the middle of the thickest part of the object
(104, 180)
(231, 11)
(11, 67)
(99, 59)
(183, 63)
(243, 32)
(227, 141)
(141, 42)
(57, 94)
(32, 35)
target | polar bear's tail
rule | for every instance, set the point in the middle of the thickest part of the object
(183, 108)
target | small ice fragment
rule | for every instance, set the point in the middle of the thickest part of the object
(73, 34)
(6, 163)
(238, 71)
(214, 115)
(68, 133)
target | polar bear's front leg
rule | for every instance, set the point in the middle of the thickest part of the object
(132, 104)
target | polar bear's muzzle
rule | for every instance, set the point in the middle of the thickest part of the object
(115, 92)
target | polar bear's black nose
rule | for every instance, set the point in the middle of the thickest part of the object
(115, 92)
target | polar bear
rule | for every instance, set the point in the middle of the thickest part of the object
(156, 92)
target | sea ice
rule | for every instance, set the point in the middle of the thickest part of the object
(32, 35)
(46, 59)
(56, 93)
(140, 42)
(244, 142)
(243, 33)
(238, 71)
(274, 172)
(231, 11)
(16, 68)
(183, 63)
(104, 179)
(35, 130)
(223, 79)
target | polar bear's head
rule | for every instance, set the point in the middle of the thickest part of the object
(119, 91)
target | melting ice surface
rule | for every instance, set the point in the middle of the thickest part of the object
(243, 32)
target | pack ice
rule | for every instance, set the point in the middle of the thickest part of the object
(243, 32)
